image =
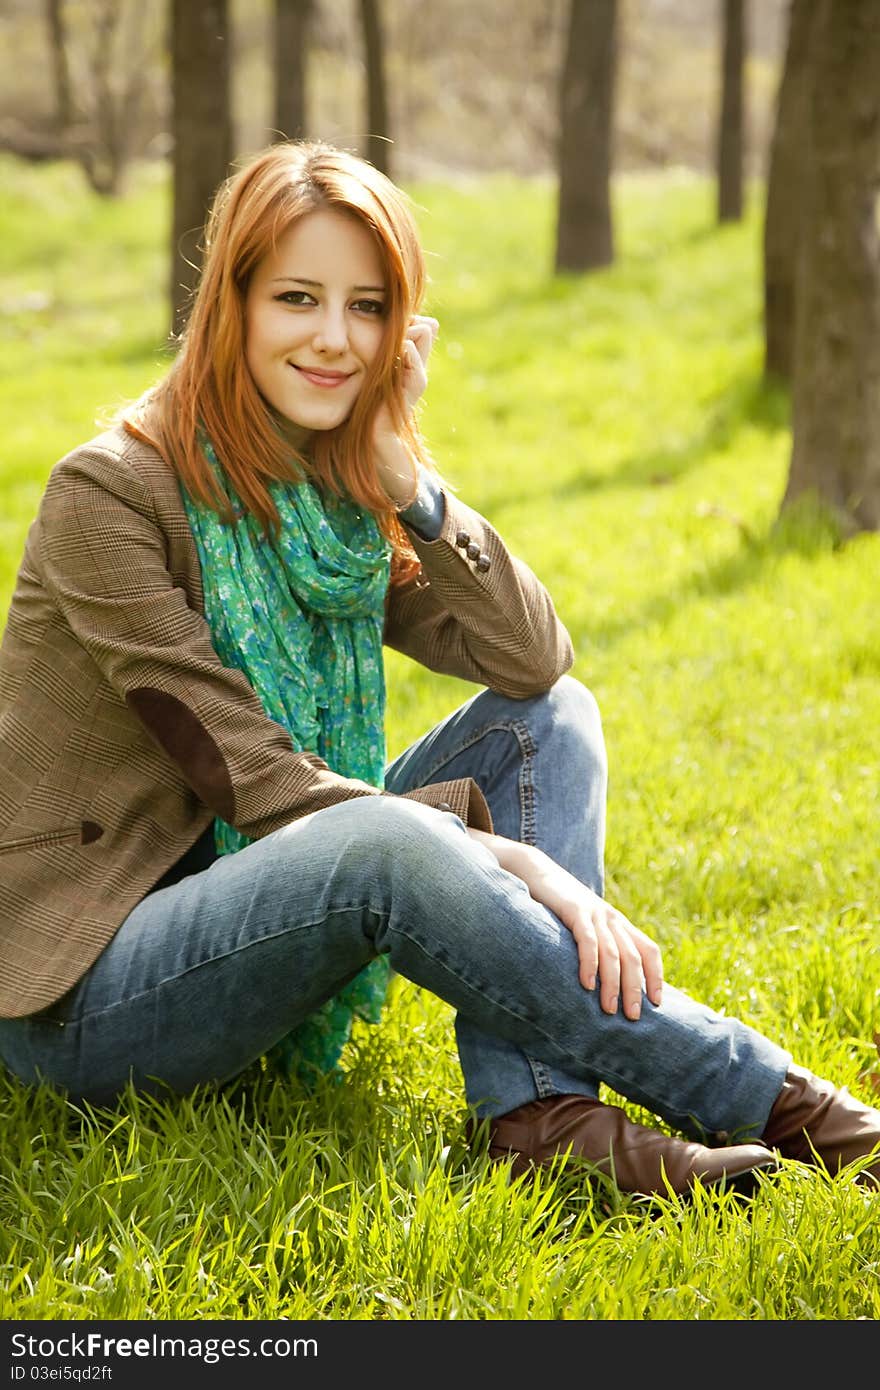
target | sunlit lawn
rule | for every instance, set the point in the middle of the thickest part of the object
(615, 430)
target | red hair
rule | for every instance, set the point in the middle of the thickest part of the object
(209, 386)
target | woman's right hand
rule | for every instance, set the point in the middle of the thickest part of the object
(395, 466)
(626, 962)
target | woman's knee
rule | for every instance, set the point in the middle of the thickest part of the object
(574, 723)
(393, 834)
(577, 704)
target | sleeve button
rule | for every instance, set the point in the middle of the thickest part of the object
(462, 539)
(444, 806)
(483, 563)
(473, 550)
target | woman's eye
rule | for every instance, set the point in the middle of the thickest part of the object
(369, 306)
(295, 297)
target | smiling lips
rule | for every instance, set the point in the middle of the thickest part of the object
(318, 376)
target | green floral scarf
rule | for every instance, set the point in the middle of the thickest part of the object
(302, 617)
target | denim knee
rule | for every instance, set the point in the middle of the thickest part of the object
(383, 839)
(572, 720)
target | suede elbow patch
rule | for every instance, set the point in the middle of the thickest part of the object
(183, 736)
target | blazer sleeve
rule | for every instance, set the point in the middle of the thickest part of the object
(104, 560)
(477, 612)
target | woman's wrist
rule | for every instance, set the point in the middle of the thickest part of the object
(512, 855)
(397, 471)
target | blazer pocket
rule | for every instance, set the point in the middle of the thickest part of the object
(85, 832)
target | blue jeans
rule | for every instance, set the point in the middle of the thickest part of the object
(206, 975)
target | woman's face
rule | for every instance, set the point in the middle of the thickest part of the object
(314, 319)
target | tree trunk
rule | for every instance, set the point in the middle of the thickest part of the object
(291, 45)
(730, 122)
(836, 386)
(60, 68)
(789, 160)
(96, 120)
(584, 232)
(202, 134)
(378, 150)
(105, 159)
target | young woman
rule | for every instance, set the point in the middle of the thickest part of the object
(203, 857)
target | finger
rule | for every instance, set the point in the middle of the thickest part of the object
(651, 959)
(609, 965)
(652, 965)
(422, 335)
(426, 321)
(421, 345)
(632, 976)
(413, 362)
(584, 934)
(414, 378)
(632, 981)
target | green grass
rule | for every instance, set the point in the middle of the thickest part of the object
(615, 429)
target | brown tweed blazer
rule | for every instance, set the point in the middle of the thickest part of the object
(121, 734)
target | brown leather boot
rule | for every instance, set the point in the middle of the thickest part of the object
(816, 1122)
(640, 1160)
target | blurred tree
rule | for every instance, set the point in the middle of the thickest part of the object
(785, 179)
(584, 231)
(378, 145)
(96, 117)
(730, 119)
(60, 64)
(836, 375)
(291, 38)
(202, 134)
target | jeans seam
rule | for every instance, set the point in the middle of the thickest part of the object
(528, 815)
(541, 1077)
(528, 750)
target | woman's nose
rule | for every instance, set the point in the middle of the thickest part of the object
(331, 333)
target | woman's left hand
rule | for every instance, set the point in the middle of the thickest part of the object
(394, 466)
(625, 960)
